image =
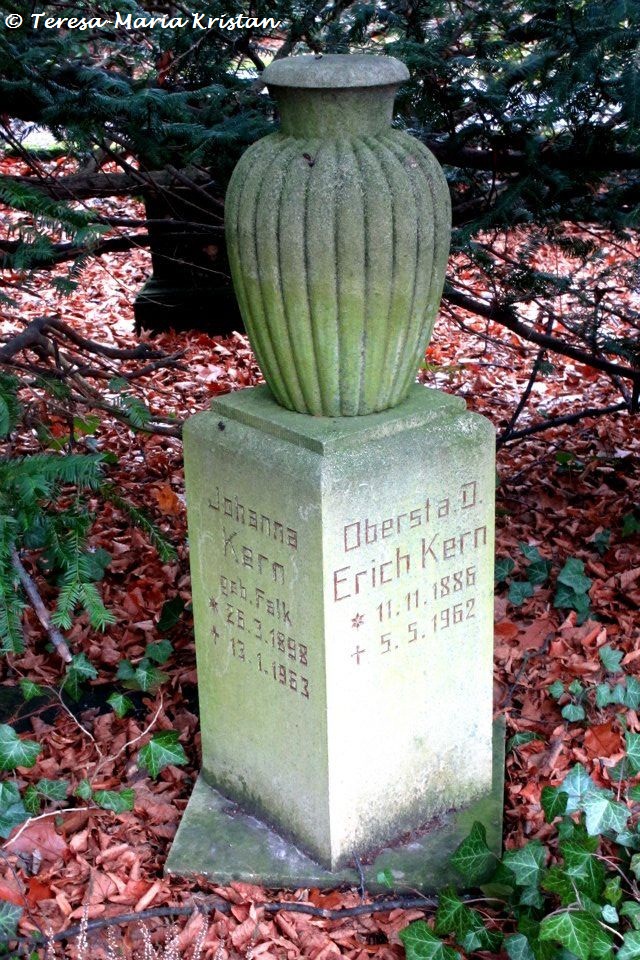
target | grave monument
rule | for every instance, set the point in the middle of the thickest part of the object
(341, 519)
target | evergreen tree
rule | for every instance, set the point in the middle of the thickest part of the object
(531, 106)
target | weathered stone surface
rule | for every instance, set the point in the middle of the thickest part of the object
(338, 232)
(342, 577)
(335, 71)
(219, 841)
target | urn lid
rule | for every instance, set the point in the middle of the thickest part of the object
(333, 71)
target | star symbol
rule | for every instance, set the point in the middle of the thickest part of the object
(357, 621)
(213, 603)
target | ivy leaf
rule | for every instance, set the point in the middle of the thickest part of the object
(633, 751)
(631, 910)
(120, 703)
(9, 916)
(480, 938)
(518, 947)
(538, 573)
(125, 671)
(96, 563)
(453, 916)
(12, 809)
(473, 858)
(572, 576)
(53, 789)
(117, 800)
(420, 943)
(15, 752)
(503, 567)
(630, 949)
(604, 695)
(578, 931)
(32, 801)
(84, 790)
(629, 839)
(531, 897)
(601, 541)
(613, 891)
(170, 614)
(522, 737)
(159, 652)
(538, 568)
(9, 794)
(148, 677)
(585, 871)
(554, 802)
(531, 553)
(30, 690)
(611, 659)
(630, 525)
(577, 785)
(78, 671)
(573, 712)
(609, 913)
(557, 881)
(556, 689)
(519, 591)
(631, 693)
(526, 864)
(162, 750)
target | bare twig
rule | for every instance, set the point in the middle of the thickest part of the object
(44, 816)
(41, 611)
(537, 364)
(146, 730)
(563, 421)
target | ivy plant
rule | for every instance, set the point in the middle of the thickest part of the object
(584, 902)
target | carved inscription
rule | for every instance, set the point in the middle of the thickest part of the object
(251, 621)
(440, 548)
(230, 506)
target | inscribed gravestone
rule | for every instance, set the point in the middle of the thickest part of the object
(343, 577)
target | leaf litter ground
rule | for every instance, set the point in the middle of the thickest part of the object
(564, 491)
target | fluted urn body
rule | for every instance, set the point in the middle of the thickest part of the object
(338, 231)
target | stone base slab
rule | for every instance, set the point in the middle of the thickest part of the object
(216, 840)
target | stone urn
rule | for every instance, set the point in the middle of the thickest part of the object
(338, 231)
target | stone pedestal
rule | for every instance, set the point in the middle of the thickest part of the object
(342, 574)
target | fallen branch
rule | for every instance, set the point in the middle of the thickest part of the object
(61, 252)
(46, 335)
(41, 611)
(31, 336)
(141, 352)
(80, 186)
(223, 906)
(505, 316)
(563, 421)
(516, 161)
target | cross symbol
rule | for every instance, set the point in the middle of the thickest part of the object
(215, 634)
(357, 653)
